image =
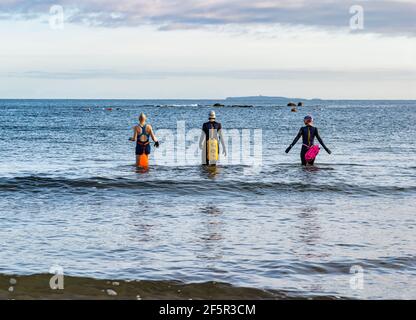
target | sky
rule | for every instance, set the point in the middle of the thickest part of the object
(109, 49)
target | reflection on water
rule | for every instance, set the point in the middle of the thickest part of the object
(210, 172)
(311, 168)
(211, 211)
(142, 170)
(142, 227)
(309, 226)
(310, 231)
(211, 233)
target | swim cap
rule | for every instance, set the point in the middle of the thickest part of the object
(308, 119)
(211, 115)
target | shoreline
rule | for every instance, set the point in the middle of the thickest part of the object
(34, 287)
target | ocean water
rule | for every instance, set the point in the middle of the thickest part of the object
(71, 196)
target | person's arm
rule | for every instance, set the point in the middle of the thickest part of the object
(321, 142)
(134, 138)
(295, 140)
(224, 149)
(202, 138)
(152, 135)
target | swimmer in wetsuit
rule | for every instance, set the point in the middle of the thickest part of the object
(142, 134)
(211, 136)
(308, 134)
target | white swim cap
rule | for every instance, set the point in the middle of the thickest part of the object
(211, 115)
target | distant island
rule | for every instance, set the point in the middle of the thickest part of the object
(267, 100)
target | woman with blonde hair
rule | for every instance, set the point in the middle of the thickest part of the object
(142, 134)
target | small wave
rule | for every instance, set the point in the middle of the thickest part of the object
(382, 265)
(34, 183)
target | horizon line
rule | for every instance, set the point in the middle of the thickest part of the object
(221, 99)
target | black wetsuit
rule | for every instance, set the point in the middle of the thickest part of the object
(308, 134)
(211, 125)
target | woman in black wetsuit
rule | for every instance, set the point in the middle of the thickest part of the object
(308, 134)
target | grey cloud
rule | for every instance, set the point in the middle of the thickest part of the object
(381, 16)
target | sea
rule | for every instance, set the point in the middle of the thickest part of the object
(256, 226)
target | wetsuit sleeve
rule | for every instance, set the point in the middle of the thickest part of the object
(320, 140)
(297, 138)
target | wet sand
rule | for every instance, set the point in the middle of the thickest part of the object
(35, 287)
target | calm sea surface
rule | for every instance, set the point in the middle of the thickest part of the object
(71, 196)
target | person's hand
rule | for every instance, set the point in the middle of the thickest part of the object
(224, 152)
(329, 151)
(288, 149)
(132, 139)
(157, 144)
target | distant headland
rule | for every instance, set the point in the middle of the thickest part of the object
(268, 100)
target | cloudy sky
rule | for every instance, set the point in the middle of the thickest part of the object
(207, 49)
